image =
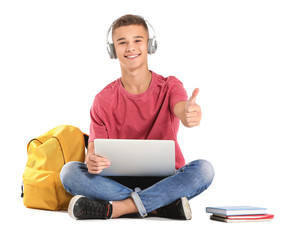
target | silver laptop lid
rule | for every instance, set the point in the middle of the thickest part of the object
(137, 157)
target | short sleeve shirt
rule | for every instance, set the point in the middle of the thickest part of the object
(118, 114)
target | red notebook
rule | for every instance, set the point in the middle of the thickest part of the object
(248, 217)
(242, 218)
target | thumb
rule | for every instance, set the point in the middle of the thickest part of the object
(195, 93)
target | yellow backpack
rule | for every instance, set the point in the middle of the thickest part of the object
(47, 154)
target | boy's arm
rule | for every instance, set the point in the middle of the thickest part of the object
(90, 149)
(188, 111)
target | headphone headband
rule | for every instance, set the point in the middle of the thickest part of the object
(152, 42)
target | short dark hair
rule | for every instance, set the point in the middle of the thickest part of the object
(129, 19)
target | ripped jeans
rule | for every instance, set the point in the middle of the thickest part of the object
(148, 193)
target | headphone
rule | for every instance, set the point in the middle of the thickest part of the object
(152, 42)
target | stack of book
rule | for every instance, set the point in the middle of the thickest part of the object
(239, 214)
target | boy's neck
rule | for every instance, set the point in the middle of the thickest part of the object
(136, 81)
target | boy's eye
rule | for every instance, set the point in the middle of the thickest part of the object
(122, 42)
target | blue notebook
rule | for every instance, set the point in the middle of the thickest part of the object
(236, 210)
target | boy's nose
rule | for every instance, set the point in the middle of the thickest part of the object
(130, 48)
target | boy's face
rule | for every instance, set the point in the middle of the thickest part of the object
(131, 46)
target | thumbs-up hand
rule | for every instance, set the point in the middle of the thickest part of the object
(193, 112)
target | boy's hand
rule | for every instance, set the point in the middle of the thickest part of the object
(96, 164)
(193, 112)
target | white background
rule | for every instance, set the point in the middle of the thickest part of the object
(241, 54)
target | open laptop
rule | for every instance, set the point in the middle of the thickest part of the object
(137, 157)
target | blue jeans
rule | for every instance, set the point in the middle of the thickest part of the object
(148, 195)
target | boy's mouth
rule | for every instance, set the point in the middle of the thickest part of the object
(132, 56)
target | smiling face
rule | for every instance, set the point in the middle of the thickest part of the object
(131, 46)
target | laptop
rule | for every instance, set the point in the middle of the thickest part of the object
(130, 157)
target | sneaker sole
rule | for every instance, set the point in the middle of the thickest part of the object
(72, 204)
(186, 208)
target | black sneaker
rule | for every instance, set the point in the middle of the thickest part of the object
(81, 207)
(179, 209)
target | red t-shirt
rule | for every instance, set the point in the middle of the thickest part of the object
(118, 114)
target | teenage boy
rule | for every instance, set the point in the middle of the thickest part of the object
(139, 105)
